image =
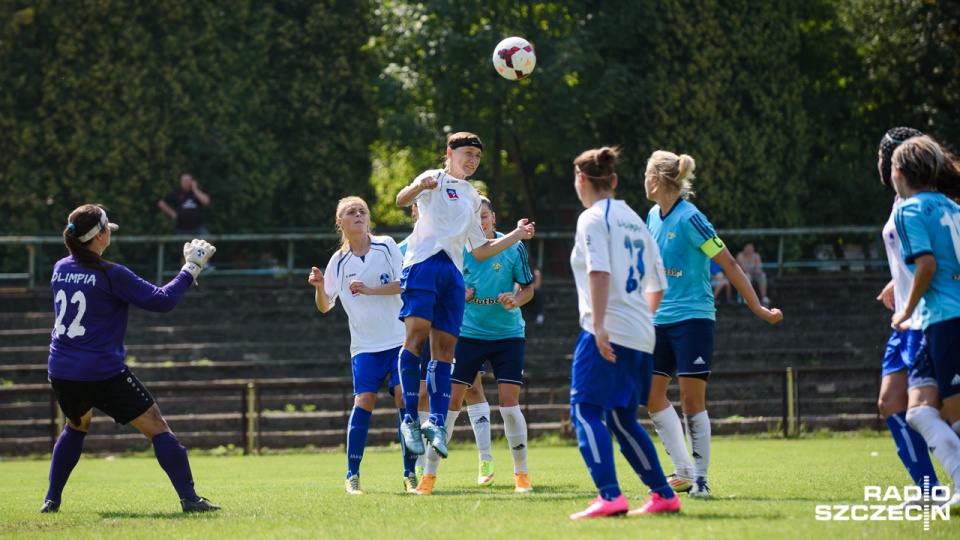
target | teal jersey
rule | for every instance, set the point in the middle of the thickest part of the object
(680, 235)
(929, 224)
(485, 317)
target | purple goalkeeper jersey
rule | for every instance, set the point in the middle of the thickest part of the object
(91, 317)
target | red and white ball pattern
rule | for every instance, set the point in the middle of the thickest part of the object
(514, 58)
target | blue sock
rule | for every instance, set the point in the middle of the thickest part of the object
(66, 454)
(409, 366)
(173, 460)
(439, 388)
(912, 449)
(409, 459)
(357, 428)
(595, 445)
(641, 454)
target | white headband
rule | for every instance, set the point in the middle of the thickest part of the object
(99, 226)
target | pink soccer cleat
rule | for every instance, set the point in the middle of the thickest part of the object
(601, 507)
(657, 505)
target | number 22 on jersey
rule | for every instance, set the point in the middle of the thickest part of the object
(76, 329)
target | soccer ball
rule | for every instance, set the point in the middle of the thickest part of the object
(514, 58)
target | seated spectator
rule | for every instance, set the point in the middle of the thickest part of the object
(719, 282)
(752, 265)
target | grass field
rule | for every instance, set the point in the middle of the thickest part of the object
(763, 488)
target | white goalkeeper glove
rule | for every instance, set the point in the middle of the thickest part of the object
(197, 253)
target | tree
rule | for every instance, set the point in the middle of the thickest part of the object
(109, 101)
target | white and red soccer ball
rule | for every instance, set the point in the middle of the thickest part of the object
(514, 58)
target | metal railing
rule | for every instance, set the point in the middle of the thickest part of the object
(823, 259)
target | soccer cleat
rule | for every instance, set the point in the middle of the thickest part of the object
(410, 483)
(425, 487)
(437, 435)
(412, 436)
(680, 484)
(522, 481)
(485, 478)
(352, 485)
(656, 504)
(700, 489)
(601, 507)
(50, 507)
(200, 505)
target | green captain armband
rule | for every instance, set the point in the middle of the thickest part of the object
(712, 246)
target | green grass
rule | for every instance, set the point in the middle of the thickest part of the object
(763, 488)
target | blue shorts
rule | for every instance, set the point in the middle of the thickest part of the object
(941, 348)
(371, 369)
(921, 374)
(594, 380)
(434, 290)
(505, 355)
(901, 349)
(684, 348)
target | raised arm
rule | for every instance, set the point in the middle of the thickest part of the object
(408, 195)
(524, 231)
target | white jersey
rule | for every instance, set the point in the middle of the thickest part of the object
(902, 276)
(449, 221)
(612, 238)
(374, 325)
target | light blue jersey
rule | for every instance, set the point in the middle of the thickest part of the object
(681, 235)
(485, 317)
(929, 224)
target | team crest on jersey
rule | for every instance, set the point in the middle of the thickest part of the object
(671, 235)
(496, 267)
(452, 194)
(384, 279)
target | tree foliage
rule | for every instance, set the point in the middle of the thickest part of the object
(279, 109)
(266, 104)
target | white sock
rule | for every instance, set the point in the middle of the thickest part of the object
(942, 440)
(449, 422)
(432, 458)
(670, 431)
(480, 420)
(433, 461)
(515, 430)
(698, 431)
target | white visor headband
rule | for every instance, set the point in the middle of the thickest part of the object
(93, 232)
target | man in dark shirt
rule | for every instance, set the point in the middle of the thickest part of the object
(186, 206)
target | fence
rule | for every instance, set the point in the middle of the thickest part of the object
(282, 255)
(780, 401)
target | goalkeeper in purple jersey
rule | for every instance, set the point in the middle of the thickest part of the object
(86, 365)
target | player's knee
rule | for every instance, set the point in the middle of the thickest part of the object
(885, 407)
(365, 400)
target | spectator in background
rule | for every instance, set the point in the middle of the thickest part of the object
(719, 282)
(185, 205)
(752, 265)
